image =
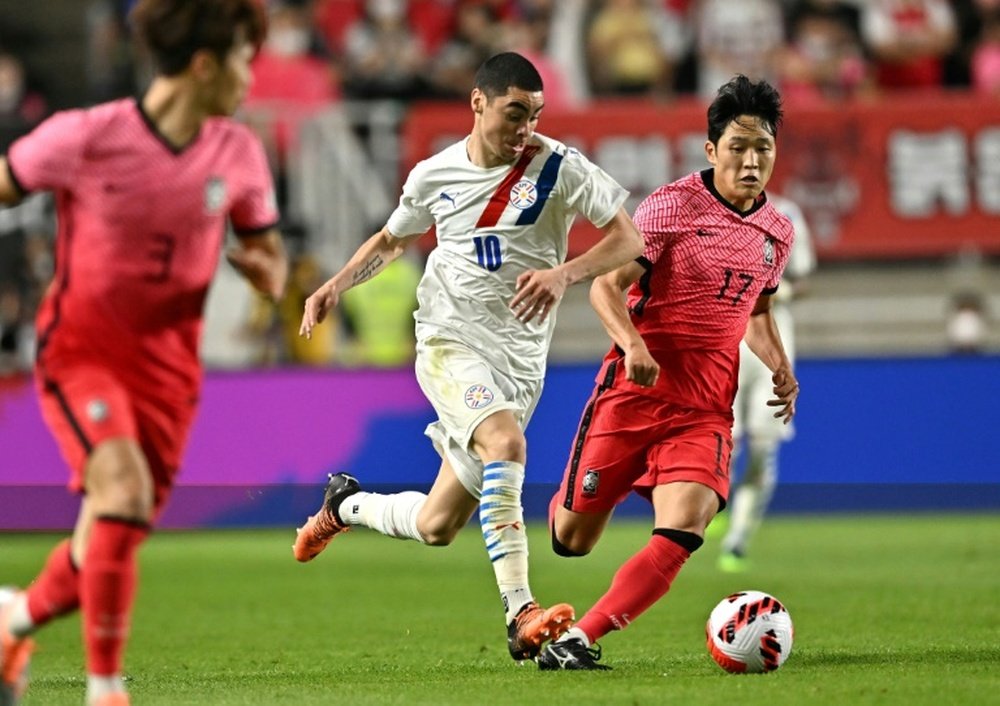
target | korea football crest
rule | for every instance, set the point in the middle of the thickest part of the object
(215, 194)
(768, 251)
(591, 479)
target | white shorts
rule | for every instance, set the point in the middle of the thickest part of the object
(751, 415)
(464, 390)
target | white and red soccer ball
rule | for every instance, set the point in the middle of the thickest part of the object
(749, 632)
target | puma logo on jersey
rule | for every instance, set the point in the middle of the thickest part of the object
(445, 196)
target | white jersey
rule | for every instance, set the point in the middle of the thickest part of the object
(802, 258)
(492, 225)
(750, 411)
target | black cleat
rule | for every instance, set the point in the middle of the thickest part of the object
(326, 524)
(570, 654)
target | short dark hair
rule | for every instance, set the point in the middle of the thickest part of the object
(506, 70)
(173, 30)
(741, 96)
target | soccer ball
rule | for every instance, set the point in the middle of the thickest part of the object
(749, 632)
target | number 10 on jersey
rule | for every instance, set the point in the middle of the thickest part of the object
(488, 251)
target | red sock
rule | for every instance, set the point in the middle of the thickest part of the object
(638, 584)
(56, 590)
(107, 588)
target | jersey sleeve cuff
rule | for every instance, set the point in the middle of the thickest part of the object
(251, 232)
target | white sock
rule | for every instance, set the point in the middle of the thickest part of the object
(19, 621)
(752, 496)
(502, 522)
(392, 515)
(98, 685)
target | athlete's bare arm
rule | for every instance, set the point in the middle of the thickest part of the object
(262, 260)
(763, 339)
(370, 259)
(538, 291)
(606, 298)
(9, 193)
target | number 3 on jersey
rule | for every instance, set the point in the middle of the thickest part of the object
(488, 251)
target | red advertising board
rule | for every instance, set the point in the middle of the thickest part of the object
(901, 177)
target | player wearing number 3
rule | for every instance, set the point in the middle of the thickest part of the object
(144, 190)
(660, 420)
(502, 201)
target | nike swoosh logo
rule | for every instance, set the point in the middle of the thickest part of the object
(705, 233)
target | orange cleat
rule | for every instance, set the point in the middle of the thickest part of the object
(533, 625)
(320, 528)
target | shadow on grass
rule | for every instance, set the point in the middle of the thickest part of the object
(933, 655)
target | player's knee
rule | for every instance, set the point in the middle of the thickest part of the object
(562, 550)
(437, 533)
(570, 544)
(687, 540)
(507, 447)
(118, 486)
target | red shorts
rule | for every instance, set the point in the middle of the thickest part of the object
(86, 404)
(630, 441)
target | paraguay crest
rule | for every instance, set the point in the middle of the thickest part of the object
(524, 194)
(215, 194)
(478, 396)
(768, 251)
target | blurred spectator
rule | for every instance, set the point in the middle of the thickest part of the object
(737, 38)
(824, 57)
(634, 47)
(985, 61)
(20, 107)
(476, 38)
(909, 40)
(304, 278)
(25, 270)
(111, 64)
(528, 35)
(291, 84)
(380, 315)
(432, 20)
(967, 323)
(384, 57)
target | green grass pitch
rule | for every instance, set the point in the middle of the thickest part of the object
(887, 610)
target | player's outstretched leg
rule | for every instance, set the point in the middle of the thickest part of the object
(571, 653)
(15, 653)
(533, 625)
(326, 524)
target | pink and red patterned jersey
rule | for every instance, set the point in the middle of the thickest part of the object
(141, 228)
(706, 265)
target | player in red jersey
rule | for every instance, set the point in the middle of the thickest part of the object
(659, 421)
(144, 190)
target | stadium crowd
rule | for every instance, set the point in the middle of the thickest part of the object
(323, 52)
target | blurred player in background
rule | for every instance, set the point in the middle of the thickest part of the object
(144, 190)
(755, 427)
(503, 200)
(715, 252)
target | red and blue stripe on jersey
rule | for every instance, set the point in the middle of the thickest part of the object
(500, 199)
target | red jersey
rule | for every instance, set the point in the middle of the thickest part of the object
(706, 265)
(140, 230)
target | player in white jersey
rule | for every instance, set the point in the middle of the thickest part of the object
(502, 201)
(755, 428)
